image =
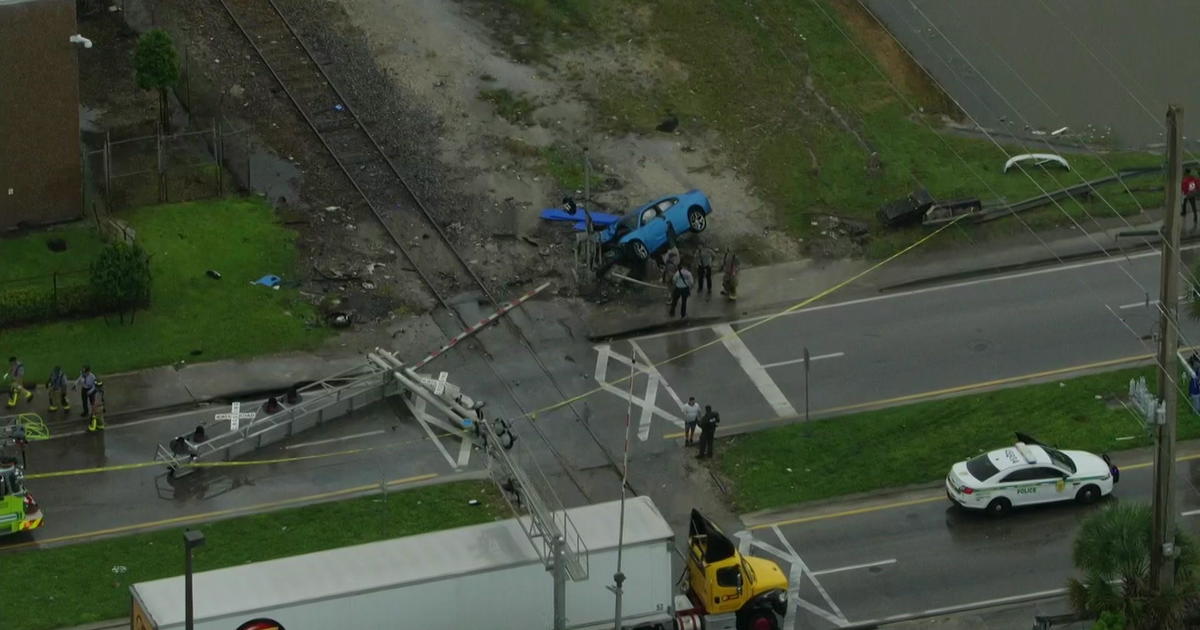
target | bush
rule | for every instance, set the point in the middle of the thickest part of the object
(121, 279)
(35, 304)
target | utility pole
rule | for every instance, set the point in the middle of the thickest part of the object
(1162, 550)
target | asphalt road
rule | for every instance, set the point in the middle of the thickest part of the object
(917, 552)
(1042, 64)
(865, 352)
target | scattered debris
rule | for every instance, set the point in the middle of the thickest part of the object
(212, 273)
(1058, 131)
(269, 281)
(1038, 159)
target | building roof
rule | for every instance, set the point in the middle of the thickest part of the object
(390, 563)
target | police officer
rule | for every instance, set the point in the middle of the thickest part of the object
(87, 388)
(708, 431)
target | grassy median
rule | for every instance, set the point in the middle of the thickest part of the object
(192, 317)
(78, 584)
(918, 443)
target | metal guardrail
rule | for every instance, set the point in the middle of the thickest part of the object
(321, 401)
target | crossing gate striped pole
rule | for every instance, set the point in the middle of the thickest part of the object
(504, 308)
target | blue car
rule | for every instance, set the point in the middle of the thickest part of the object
(646, 231)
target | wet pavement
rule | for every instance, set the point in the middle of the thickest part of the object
(1104, 68)
(915, 343)
(914, 552)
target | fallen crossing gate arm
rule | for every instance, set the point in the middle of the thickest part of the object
(500, 312)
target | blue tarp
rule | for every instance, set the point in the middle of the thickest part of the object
(599, 219)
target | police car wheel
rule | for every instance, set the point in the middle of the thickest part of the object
(1087, 494)
(999, 507)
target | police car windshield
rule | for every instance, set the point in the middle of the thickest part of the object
(1060, 458)
(981, 468)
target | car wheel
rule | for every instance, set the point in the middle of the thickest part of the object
(696, 219)
(1087, 494)
(999, 507)
(639, 251)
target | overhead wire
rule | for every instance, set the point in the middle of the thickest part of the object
(1187, 275)
(990, 137)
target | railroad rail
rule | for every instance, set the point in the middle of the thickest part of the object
(374, 176)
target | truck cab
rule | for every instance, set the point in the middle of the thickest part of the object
(722, 580)
(18, 510)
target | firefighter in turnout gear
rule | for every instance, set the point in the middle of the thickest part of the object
(16, 382)
(97, 403)
(56, 389)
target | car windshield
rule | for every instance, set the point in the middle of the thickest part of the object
(1060, 458)
(981, 468)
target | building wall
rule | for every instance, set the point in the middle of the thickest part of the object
(40, 161)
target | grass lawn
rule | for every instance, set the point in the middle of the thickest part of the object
(192, 317)
(77, 584)
(918, 443)
(769, 75)
(27, 261)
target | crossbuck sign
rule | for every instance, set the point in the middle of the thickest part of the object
(235, 416)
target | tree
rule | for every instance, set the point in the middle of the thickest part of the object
(157, 68)
(121, 279)
(1112, 550)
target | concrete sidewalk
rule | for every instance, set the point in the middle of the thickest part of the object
(773, 288)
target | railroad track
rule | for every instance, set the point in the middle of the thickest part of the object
(300, 72)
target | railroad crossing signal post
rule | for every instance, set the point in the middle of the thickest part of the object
(1162, 550)
(235, 416)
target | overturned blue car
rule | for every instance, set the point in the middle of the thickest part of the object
(649, 229)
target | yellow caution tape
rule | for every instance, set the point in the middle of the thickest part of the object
(736, 333)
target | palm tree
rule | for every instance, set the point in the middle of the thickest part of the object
(1112, 550)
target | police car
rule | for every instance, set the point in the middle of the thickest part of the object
(1028, 473)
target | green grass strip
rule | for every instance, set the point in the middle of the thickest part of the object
(84, 583)
(918, 443)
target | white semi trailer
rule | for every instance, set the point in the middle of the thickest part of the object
(482, 576)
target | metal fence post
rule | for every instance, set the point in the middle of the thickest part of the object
(108, 169)
(158, 142)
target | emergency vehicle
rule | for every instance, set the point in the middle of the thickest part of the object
(19, 512)
(1029, 473)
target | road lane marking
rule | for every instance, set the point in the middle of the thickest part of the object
(812, 577)
(604, 352)
(650, 368)
(933, 612)
(219, 513)
(853, 512)
(755, 370)
(1150, 303)
(832, 355)
(865, 565)
(336, 439)
(947, 390)
(1190, 513)
(942, 287)
(940, 496)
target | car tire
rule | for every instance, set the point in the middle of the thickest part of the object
(638, 250)
(1088, 494)
(999, 507)
(696, 219)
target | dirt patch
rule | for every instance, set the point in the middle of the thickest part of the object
(893, 60)
(522, 131)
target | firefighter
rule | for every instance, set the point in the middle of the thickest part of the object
(97, 403)
(16, 386)
(56, 389)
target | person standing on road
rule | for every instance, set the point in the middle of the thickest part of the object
(681, 288)
(97, 401)
(87, 389)
(704, 269)
(708, 431)
(56, 389)
(729, 281)
(1191, 189)
(16, 382)
(670, 264)
(691, 417)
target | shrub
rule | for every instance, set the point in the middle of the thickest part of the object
(121, 279)
(36, 304)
